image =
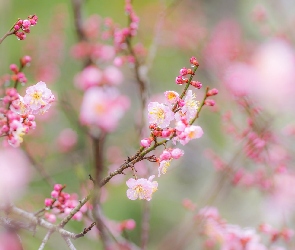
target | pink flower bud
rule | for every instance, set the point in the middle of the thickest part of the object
(146, 142)
(54, 194)
(128, 224)
(11, 92)
(48, 202)
(13, 68)
(179, 80)
(16, 27)
(166, 133)
(194, 62)
(4, 129)
(31, 117)
(58, 187)
(26, 60)
(209, 102)
(196, 84)
(66, 196)
(26, 24)
(212, 92)
(183, 71)
(78, 216)
(181, 103)
(176, 153)
(165, 156)
(50, 217)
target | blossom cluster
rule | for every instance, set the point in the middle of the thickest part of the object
(21, 27)
(107, 43)
(17, 114)
(227, 236)
(62, 204)
(181, 108)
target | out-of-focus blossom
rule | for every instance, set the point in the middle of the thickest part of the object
(274, 62)
(89, 77)
(15, 173)
(103, 108)
(67, 139)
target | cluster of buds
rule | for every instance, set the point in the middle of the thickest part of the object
(18, 75)
(17, 113)
(22, 27)
(184, 73)
(183, 109)
(62, 204)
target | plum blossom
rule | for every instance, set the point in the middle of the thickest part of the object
(103, 108)
(191, 105)
(160, 114)
(15, 173)
(141, 188)
(171, 96)
(164, 165)
(38, 98)
(90, 76)
(186, 132)
(17, 131)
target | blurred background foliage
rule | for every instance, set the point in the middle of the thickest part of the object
(187, 27)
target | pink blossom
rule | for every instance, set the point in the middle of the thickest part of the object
(191, 105)
(89, 77)
(171, 96)
(38, 97)
(146, 142)
(164, 165)
(67, 139)
(15, 173)
(112, 75)
(189, 133)
(166, 155)
(176, 153)
(103, 108)
(159, 114)
(141, 188)
(17, 131)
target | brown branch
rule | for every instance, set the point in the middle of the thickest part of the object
(45, 240)
(39, 221)
(8, 33)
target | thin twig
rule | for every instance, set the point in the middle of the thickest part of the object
(45, 240)
(10, 32)
(69, 243)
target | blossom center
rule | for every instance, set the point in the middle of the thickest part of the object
(160, 113)
(37, 97)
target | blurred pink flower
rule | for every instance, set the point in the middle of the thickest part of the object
(274, 62)
(89, 77)
(15, 173)
(112, 75)
(103, 108)
(67, 139)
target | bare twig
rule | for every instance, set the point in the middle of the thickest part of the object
(69, 243)
(45, 240)
(8, 33)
